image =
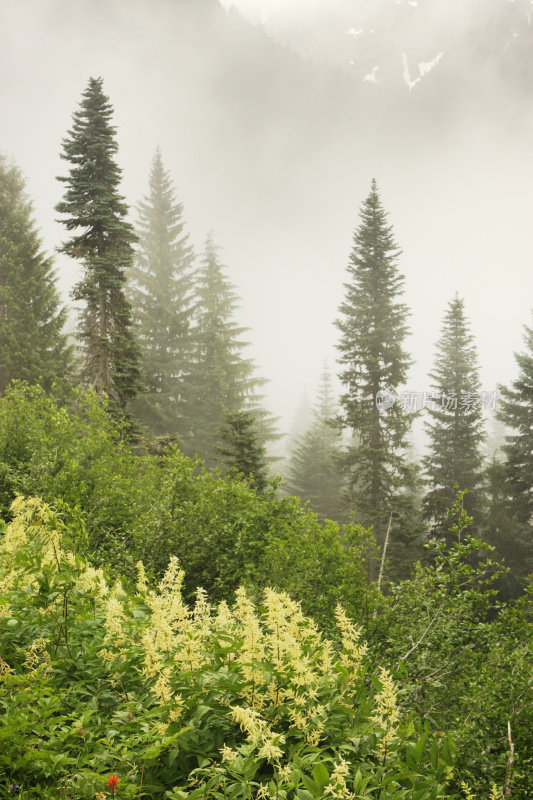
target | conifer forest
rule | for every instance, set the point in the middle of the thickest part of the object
(266, 400)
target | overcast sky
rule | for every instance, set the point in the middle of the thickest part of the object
(282, 184)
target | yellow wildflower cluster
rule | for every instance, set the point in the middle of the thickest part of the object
(114, 617)
(263, 793)
(160, 728)
(288, 630)
(252, 652)
(33, 519)
(228, 755)
(386, 713)
(152, 660)
(38, 656)
(292, 638)
(106, 655)
(337, 782)
(92, 581)
(169, 622)
(202, 611)
(224, 619)
(285, 773)
(353, 651)
(6, 584)
(5, 669)
(161, 687)
(191, 653)
(141, 585)
(288, 642)
(30, 518)
(15, 534)
(172, 581)
(495, 793)
(167, 611)
(194, 631)
(258, 733)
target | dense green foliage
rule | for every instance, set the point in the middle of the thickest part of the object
(161, 297)
(102, 241)
(456, 429)
(136, 505)
(461, 660)
(134, 690)
(464, 657)
(33, 346)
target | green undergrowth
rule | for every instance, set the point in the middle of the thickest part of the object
(99, 679)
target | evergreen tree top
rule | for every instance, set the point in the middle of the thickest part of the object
(91, 200)
(375, 249)
(456, 367)
(164, 257)
(373, 322)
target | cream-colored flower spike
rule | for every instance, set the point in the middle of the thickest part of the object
(386, 713)
(353, 651)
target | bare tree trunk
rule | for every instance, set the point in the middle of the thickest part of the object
(510, 759)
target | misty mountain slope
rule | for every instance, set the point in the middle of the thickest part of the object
(495, 35)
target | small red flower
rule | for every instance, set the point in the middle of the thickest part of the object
(112, 782)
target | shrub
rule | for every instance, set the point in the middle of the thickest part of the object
(140, 695)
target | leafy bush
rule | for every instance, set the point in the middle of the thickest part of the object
(135, 694)
(464, 660)
(137, 505)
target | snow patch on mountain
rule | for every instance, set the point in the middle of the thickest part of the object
(426, 66)
(372, 77)
(423, 68)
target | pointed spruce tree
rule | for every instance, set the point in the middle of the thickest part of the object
(161, 296)
(455, 427)
(222, 379)
(373, 326)
(102, 241)
(240, 448)
(515, 410)
(314, 470)
(33, 347)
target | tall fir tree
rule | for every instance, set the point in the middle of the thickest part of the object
(161, 297)
(102, 241)
(516, 412)
(314, 470)
(222, 379)
(455, 429)
(373, 328)
(33, 346)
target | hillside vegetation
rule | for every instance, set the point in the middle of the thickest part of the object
(248, 655)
